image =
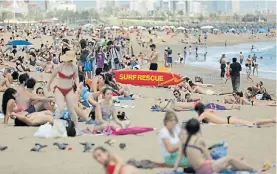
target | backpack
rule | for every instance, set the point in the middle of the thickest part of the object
(70, 128)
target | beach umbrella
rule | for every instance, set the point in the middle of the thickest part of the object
(131, 27)
(87, 25)
(115, 27)
(171, 26)
(180, 28)
(107, 28)
(207, 27)
(141, 28)
(124, 28)
(19, 42)
(54, 19)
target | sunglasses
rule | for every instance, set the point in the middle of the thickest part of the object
(40, 92)
(176, 93)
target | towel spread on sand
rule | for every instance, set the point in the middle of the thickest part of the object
(118, 105)
(223, 172)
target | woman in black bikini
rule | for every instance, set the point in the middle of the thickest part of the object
(207, 116)
(199, 157)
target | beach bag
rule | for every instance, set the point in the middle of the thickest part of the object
(70, 128)
(218, 150)
(88, 65)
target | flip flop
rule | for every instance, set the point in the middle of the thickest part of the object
(110, 142)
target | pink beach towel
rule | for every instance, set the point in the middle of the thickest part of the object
(126, 131)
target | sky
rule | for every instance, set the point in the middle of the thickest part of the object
(244, 4)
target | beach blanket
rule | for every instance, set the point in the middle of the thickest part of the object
(126, 131)
(125, 98)
(118, 105)
(115, 132)
(223, 172)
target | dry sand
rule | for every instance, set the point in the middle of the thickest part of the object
(256, 145)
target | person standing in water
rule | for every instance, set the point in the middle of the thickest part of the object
(241, 57)
(254, 64)
(185, 54)
(154, 58)
(205, 56)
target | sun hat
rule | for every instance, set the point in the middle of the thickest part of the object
(68, 56)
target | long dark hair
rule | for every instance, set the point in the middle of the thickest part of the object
(8, 95)
(192, 127)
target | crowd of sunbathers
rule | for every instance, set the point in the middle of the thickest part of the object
(84, 93)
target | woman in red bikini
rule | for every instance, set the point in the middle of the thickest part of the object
(112, 163)
(67, 73)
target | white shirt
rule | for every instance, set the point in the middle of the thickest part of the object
(164, 133)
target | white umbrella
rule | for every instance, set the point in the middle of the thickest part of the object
(131, 27)
(115, 27)
(87, 25)
(124, 28)
(107, 28)
(141, 28)
(180, 28)
(54, 19)
(171, 26)
(207, 27)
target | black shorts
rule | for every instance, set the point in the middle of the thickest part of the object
(18, 122)
(153, 66)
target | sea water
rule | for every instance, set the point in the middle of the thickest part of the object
(267, 50)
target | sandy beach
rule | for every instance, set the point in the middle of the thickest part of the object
(256, 145)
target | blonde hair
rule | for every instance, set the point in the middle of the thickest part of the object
(170, 115)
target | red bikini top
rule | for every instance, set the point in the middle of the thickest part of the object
(110, 169)
(63, 76)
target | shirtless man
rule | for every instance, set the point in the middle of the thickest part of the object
(154, 58)
(206, 116)
(8, 79)
(29, 101)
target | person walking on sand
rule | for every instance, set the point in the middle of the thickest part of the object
(67, 72)
(235, 69)
(222, 62)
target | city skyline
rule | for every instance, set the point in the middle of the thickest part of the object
(207, 6)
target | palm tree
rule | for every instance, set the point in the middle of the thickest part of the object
(181, 13)
(236, 17)
(201, 18)
(168, 14)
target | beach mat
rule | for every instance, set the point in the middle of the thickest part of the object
(125, 98)
(223, 172)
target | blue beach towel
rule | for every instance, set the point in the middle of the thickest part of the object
(125, 98)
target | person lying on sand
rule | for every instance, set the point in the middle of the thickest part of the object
(240, 100)
(169, 104)
(177, 94)
(195, 150)
(209, 116)
(185, 86)
(22, 118)
(112, 163)
(9, 78)
(198, 89)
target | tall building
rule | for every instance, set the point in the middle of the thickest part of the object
(235, 6)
